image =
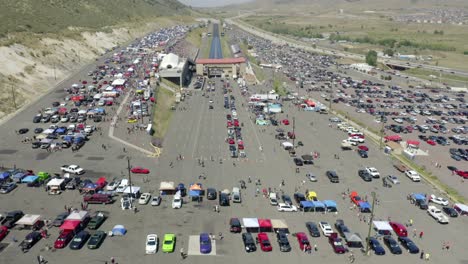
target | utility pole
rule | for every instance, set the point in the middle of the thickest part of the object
(381, 132)
(13, 95)
(55, 75)
(294, 129)
(370, 223)
(130, 178)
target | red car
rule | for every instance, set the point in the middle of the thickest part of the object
(399, 229)
(291, 135)
(236, 122)
(303, 240)
(64, 238)
(336, 243)
(3, 232)
(431, 142)
(362, 147)
(140, 170)
(357, 135)
(285, 122)
(463, 174)
(264, 242)
(355, 198)
(231, 141)
(229, 124)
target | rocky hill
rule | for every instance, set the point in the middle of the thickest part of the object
(43, 41)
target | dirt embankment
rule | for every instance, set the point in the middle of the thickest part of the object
(30, 70)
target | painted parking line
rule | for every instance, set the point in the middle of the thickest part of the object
(194, 247)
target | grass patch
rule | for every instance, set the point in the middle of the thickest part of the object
(443, 77)
(162, 112)
(432, 179)
(195, 36)
(259, 73)
(170, 84)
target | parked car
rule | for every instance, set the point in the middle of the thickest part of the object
(365, 175)
(392, 245)
(337, 243)
(313, 229)
(169, 243)
(97, 220)
(303, 241)
(30, 240)
(283, 242)
(7, 187)
(249, 243)
(63, 239)
(399, 229)
(409, 245)
(393, 179)
(374, 244)
(96, 240)
(140, 170)
(151, 244)
(333, 176)
(156, 201)
(79, 240)
(205, 243)
(58, 221)
(450, 211)
(235, 225)
(264, 242)
(326, 228)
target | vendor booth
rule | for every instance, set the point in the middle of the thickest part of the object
(330, 206)
(30, 221)
(353, 240)
(265, 225)
(251, 225)
(382, 227)
(167, 188)
(279, 225)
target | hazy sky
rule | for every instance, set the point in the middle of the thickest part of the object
(211, 3)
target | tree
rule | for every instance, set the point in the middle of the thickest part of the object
(388, 52)
(371, 58)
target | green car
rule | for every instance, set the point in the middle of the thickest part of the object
(96, 221)
(96, 240)
(169, 243)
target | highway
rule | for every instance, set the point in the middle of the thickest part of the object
(216, 52)
(294, 43)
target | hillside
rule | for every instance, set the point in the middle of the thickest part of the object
(49, 16)
(44, 41)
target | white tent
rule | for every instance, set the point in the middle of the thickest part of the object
(134, 189)
(382, 226)
(279, 225)
(251, 224)
(167, 186)
(77, 215)
(55, 182)
(28, 220)
(287, 145)
(118, 82)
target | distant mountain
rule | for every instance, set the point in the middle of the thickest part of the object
(44, 16)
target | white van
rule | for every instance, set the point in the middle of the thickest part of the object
(273, 199)
(236, 195)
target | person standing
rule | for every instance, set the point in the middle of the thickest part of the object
(421, 234)
(421, 256)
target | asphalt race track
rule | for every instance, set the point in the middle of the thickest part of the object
(216, 51)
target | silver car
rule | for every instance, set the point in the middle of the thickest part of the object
(393, 179)
(311, 177)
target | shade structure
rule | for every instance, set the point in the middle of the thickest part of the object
(70, 224)
(265, 225)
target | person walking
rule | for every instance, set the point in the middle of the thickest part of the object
(421, 234)
(182, 254)
(421, 256)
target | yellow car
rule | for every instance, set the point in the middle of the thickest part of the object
(169, 243)
(132, 120)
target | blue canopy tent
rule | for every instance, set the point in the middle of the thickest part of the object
(364, 207)
(30, 178)
(330, 205)
(68, 138)
(307, 206)
(319, 206)
(4, 176)
(419, 196)
(119, 230)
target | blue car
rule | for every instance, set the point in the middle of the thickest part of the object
(375, 245)
(409, 245)
(205, 243)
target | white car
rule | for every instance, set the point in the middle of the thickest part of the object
(64, 119)
(156, 201)
(311, 177)
(89, 129)
(234, 113)
(373, 172)
(437, 214)
(414, 176)
(144, 198)
(393, 179)
(326, 228)
(75, 169)
(282, 207)
(356, 139)
(151, 244)
(177, 202)
(113, 185)
(123, 184)
(438, 200)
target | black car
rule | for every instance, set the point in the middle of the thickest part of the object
(333, 177)
(409, 245)
(298, 162)
(450, 211)
(313, 229)
(283, 242)
(30, 240)
(58, 221)
(341, 227)
(286, 199)
(392, 245)
(363, 154)
(365, 175)
(79, 240)
(37, 118)
(299, 197)
(23, 131)
(249, 242)
(11, 218)
(38, 130)
(223, 199)
(96, 240)
(211, 194)
(55, 104)
(73, 183)
(374, 244)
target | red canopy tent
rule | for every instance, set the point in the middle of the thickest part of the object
(413, 143)
(309, 103)
(393, 138)
(265, 225)
(70, 224)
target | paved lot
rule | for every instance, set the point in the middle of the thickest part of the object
(198, 133)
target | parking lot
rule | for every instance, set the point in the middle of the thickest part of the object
(198, 134)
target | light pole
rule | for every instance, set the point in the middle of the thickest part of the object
(370, 223)
(294, 129)
(130, 178)
(381, 131)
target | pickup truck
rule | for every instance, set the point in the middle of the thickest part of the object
(373, 172)
(74, 169)
(400, 167)
(346, 145)
(437, 214)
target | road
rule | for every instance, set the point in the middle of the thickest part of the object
(294, 43)
(216, 51)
